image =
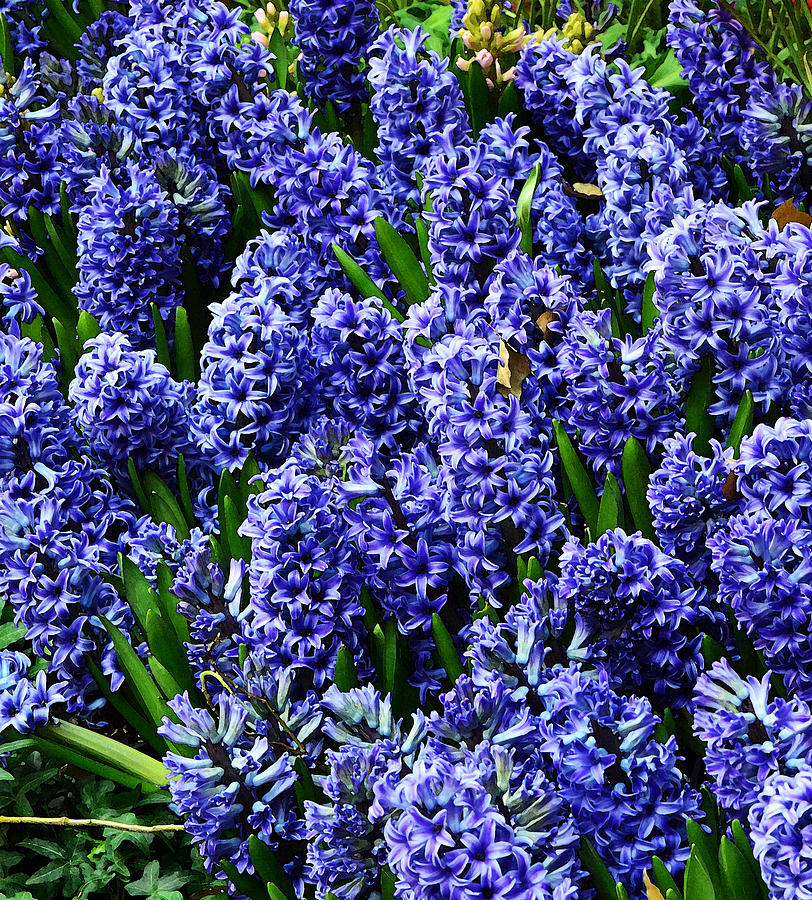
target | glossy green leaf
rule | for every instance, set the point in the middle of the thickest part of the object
(184, 494)
(138, 487)
(85, 763)
(10, 633)
(610, 511)
(446, 651)
(479, 98)
(698, 884)
(138, 592)
(365, 286)
(345, 676)
(387, 884)
(604, 884)
(401, 260)
(636, 475)
(87, 328)
(663, 878)
(161, 340)
(579, 479)
(6, 46)
(701, 843)
(137, 675)
(163, 678)
(422, 232)
(744, 847)
(168, 602)
(621, 892)
(67, 351)
(64, 20)
(737, 876)
(524, 208)
(167, 649)
(55, 306)
(268, 867)
(66, 254)
(390, 656)
(701, 395)
(743, 423)
(106, 749)
(164, 504)
(145, 728)
(650, 312)
(245, 884)
(185, 356)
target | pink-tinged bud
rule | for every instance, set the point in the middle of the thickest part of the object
(284, 18)
(484, 58)
(510, 75)
(260, 38)
(486, 30)
(463, 64)
(260, 16)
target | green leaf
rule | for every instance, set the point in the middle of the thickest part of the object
(605, 885)
(230, 521)
(140, 723)
(701, 844)
(524, 207)
(387, 884)
(54, 305)
(636, 475)
(169, 603)
(64, 20)
(743, 423)
(365, 286)
(163, 678)
(743, 189)
(184, 494)
(390, 656)
(87, 328)
(138, 488)
(9, 633)
(737, 876)
(480, 103)
(67, 351)
(698, 884)
(345, 676)
(137, 675)
(138, 591)
(621, 892)
(268, 867)
(6, 46)
(246, 884)
(611, 507)
(161, 340)
(579, 479)
(403, 263)
(164, 505)
(422, 231)
(100, 747)
(663, 878)
(746, 850)
(165, 647)
(650, 311)
(446, 651)
(701, 395)
(185, 356)
(66, 256)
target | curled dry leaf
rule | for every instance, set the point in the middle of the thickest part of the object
(513, 369)
(652, 891)
(788, 212)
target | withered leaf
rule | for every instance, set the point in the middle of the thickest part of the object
(730, 489)
(580, 190)
(545, 320)
(513, 369)
(652, 891)
(788, 212)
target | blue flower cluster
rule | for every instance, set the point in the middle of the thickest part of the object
(457, 415)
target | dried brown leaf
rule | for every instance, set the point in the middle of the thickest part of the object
(513, 369)
(788, 212)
